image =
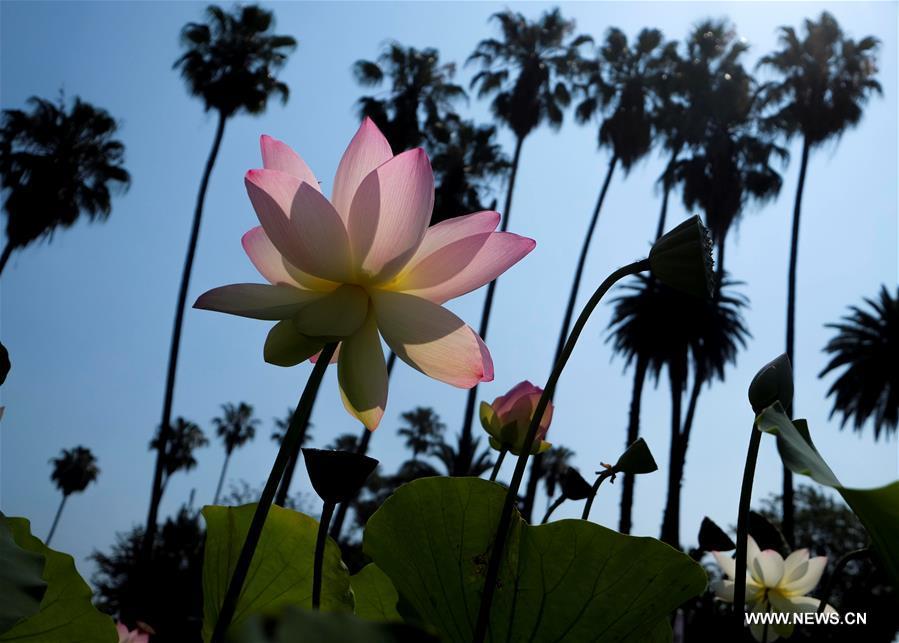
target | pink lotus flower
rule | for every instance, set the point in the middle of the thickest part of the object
(133, 636)
(508, 418)
(365, 264)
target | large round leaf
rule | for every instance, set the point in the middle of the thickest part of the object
(281, 571)
(569, 580)
(66, 612)
(375, 595)
(21, 585)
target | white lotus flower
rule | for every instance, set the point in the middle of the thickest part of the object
(773, 585)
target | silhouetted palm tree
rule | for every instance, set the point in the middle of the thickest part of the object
(528, 71)
(57, 164)
(421, 94)
(824, 81)
(555, 464)
(73, 471)
(866, 348)
(467, 167)
(344, 442)
(706, 80)
(619, 88)
(712, 331)
(230, 62)
(423, 429)
(185, 437)
(235, 427)
(280, 430)
(462, 459)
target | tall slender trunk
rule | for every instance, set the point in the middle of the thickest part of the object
(218, 488)
(165, 425)
(465, 439)
(671, 519)
(667, 182)
(788, 521)
(633, 432)
(537, 461)
(719, 269)
(7, 251)
(56, 519)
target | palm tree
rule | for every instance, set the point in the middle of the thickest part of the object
(185, 437)
(281, 426)
(231, 63)
(57, 164)
(824, 81)
(73, 471)
(421, 95)
(423, 429)
(619, 87)
(528, 71)
(235, 427)
(467, 166)
(344, 442)
(712, 331)
(866, 348)
(556, 463)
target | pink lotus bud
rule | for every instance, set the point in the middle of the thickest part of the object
(508, 418)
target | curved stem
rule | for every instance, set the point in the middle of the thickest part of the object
(752, 455)
(497, 551)
(165, 428)
(318, 559)
(7, 252)
(291, 437)
(499, 463)
(841, 563)
(555, 505)
(589, 504)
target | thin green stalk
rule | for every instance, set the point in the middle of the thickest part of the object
(499, 463)
(299, 419)
(752, 455)
(589, 504)
(498, 550)
(555, 505)
(318, 559)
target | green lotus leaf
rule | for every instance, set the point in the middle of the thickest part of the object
(66, 612)
(568, 580)
(21, 585)
(375, 595)
(281, 571)
(878, 509)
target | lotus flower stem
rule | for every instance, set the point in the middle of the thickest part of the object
(499, 463)
(555, 505)
(300, 417)
(752, 455)
(589, 504)
(324, 523)
(497, 551)
(838, 568)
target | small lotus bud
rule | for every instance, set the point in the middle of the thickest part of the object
(773, 383)
(574, 487)
(636, 459)
(682, 259)
(508, 418)
(713, 538)
(337, 475)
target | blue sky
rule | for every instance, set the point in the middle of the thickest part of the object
(87, 319)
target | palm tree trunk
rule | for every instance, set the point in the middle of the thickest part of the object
(362, 449)
(537, 461)
(56, 519)
(7, 251)
(787, 524)
(465, 439)
(165, 426)
(218, 489)
(633, 432)
(666, 191)
(671, 519)
(719, 269)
